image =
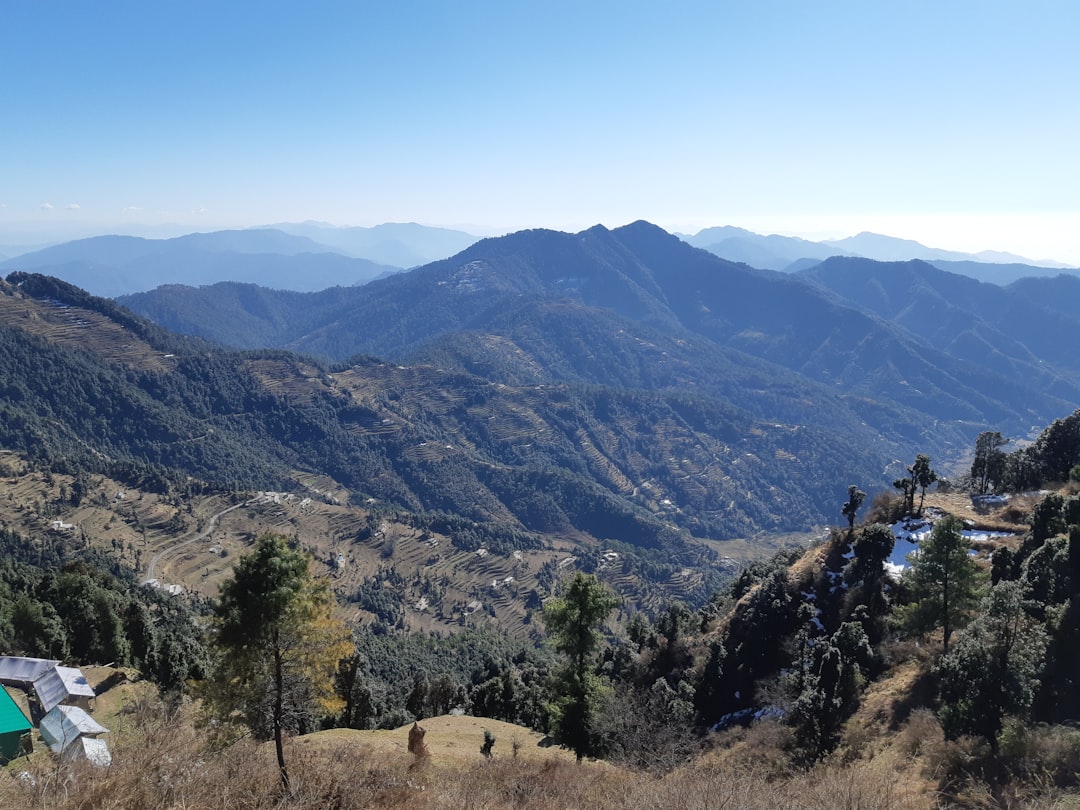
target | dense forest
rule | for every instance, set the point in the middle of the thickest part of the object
(978, 649)
(629, 491)
(59, 599)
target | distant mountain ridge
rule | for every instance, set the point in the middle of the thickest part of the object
(116, 265)
(638, 307)
(771, 252)
(1018, 335)
(304, 257)
(400, 244)
(792, 254)
(313, 256)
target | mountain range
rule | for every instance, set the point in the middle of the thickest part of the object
(114, 265)
(313, 256)
(615, 402)
(548, 307)
(792, 254)
(609, 384)
(399, 244)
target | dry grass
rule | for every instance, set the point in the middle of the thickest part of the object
(161, 763)
(450, 741)
(1009, 517)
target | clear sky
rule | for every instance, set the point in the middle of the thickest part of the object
(952, 122)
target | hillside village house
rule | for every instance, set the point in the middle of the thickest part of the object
(60, 698)
(47, 682)
(72, 733)
(14, 727)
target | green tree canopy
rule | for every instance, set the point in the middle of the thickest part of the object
(994, 668)
(943, 580)
(988, 466)
(922, 476)
(573, 622)
(278, 645)
(855, 498)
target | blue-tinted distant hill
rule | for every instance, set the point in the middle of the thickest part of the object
(1060, 293)
(118, 265)
(638, 307)
(771, 252)
(995, 327)
(1002, 273)
(890, 249)
(793, 255)
(401, 244)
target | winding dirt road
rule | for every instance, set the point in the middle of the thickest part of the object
(196, 537)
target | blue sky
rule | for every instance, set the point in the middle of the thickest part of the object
(955, 123)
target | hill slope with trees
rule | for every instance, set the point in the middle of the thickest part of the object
(533, 293)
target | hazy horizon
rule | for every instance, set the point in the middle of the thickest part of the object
(948, 124)
(41, 235)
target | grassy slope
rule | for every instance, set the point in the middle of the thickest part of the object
(160, 761)
(452, 741)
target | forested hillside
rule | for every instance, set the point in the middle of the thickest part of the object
(623, 307)
(945, 683)
(717, 459)
(1019, 331)
(652, 479)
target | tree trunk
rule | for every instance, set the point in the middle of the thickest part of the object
(946, 630)
(279, 713)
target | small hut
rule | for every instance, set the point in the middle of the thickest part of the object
(13, 727)
(65, 726)
(16, 670)
(94, 751)
(63, 685)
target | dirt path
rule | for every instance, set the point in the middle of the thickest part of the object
(196, 537)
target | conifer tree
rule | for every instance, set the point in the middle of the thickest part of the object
(573, 622)
(988, 466)
(855, 498)
(922, 476)
(278, 644)
(943, 580)
(993, 670)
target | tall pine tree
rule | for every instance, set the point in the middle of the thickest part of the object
(278, 644)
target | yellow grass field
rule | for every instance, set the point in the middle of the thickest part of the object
(450, 740)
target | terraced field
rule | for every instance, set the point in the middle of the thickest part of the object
(80, 328)
(435, 582)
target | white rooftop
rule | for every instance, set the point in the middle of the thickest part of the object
(63, 725)
(58, 684)
(19, 671)
(94, 751)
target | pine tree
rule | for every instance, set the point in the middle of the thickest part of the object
(988, 466)
(922, 476)
(943, 580)
(573, 622)
(278, 644)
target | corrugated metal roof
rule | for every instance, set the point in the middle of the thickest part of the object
(75, 682)
(65, 724)
(94, 751)
(59, 684)
(19, 671)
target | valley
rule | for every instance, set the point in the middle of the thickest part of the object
(382, 568)
(461, 448)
